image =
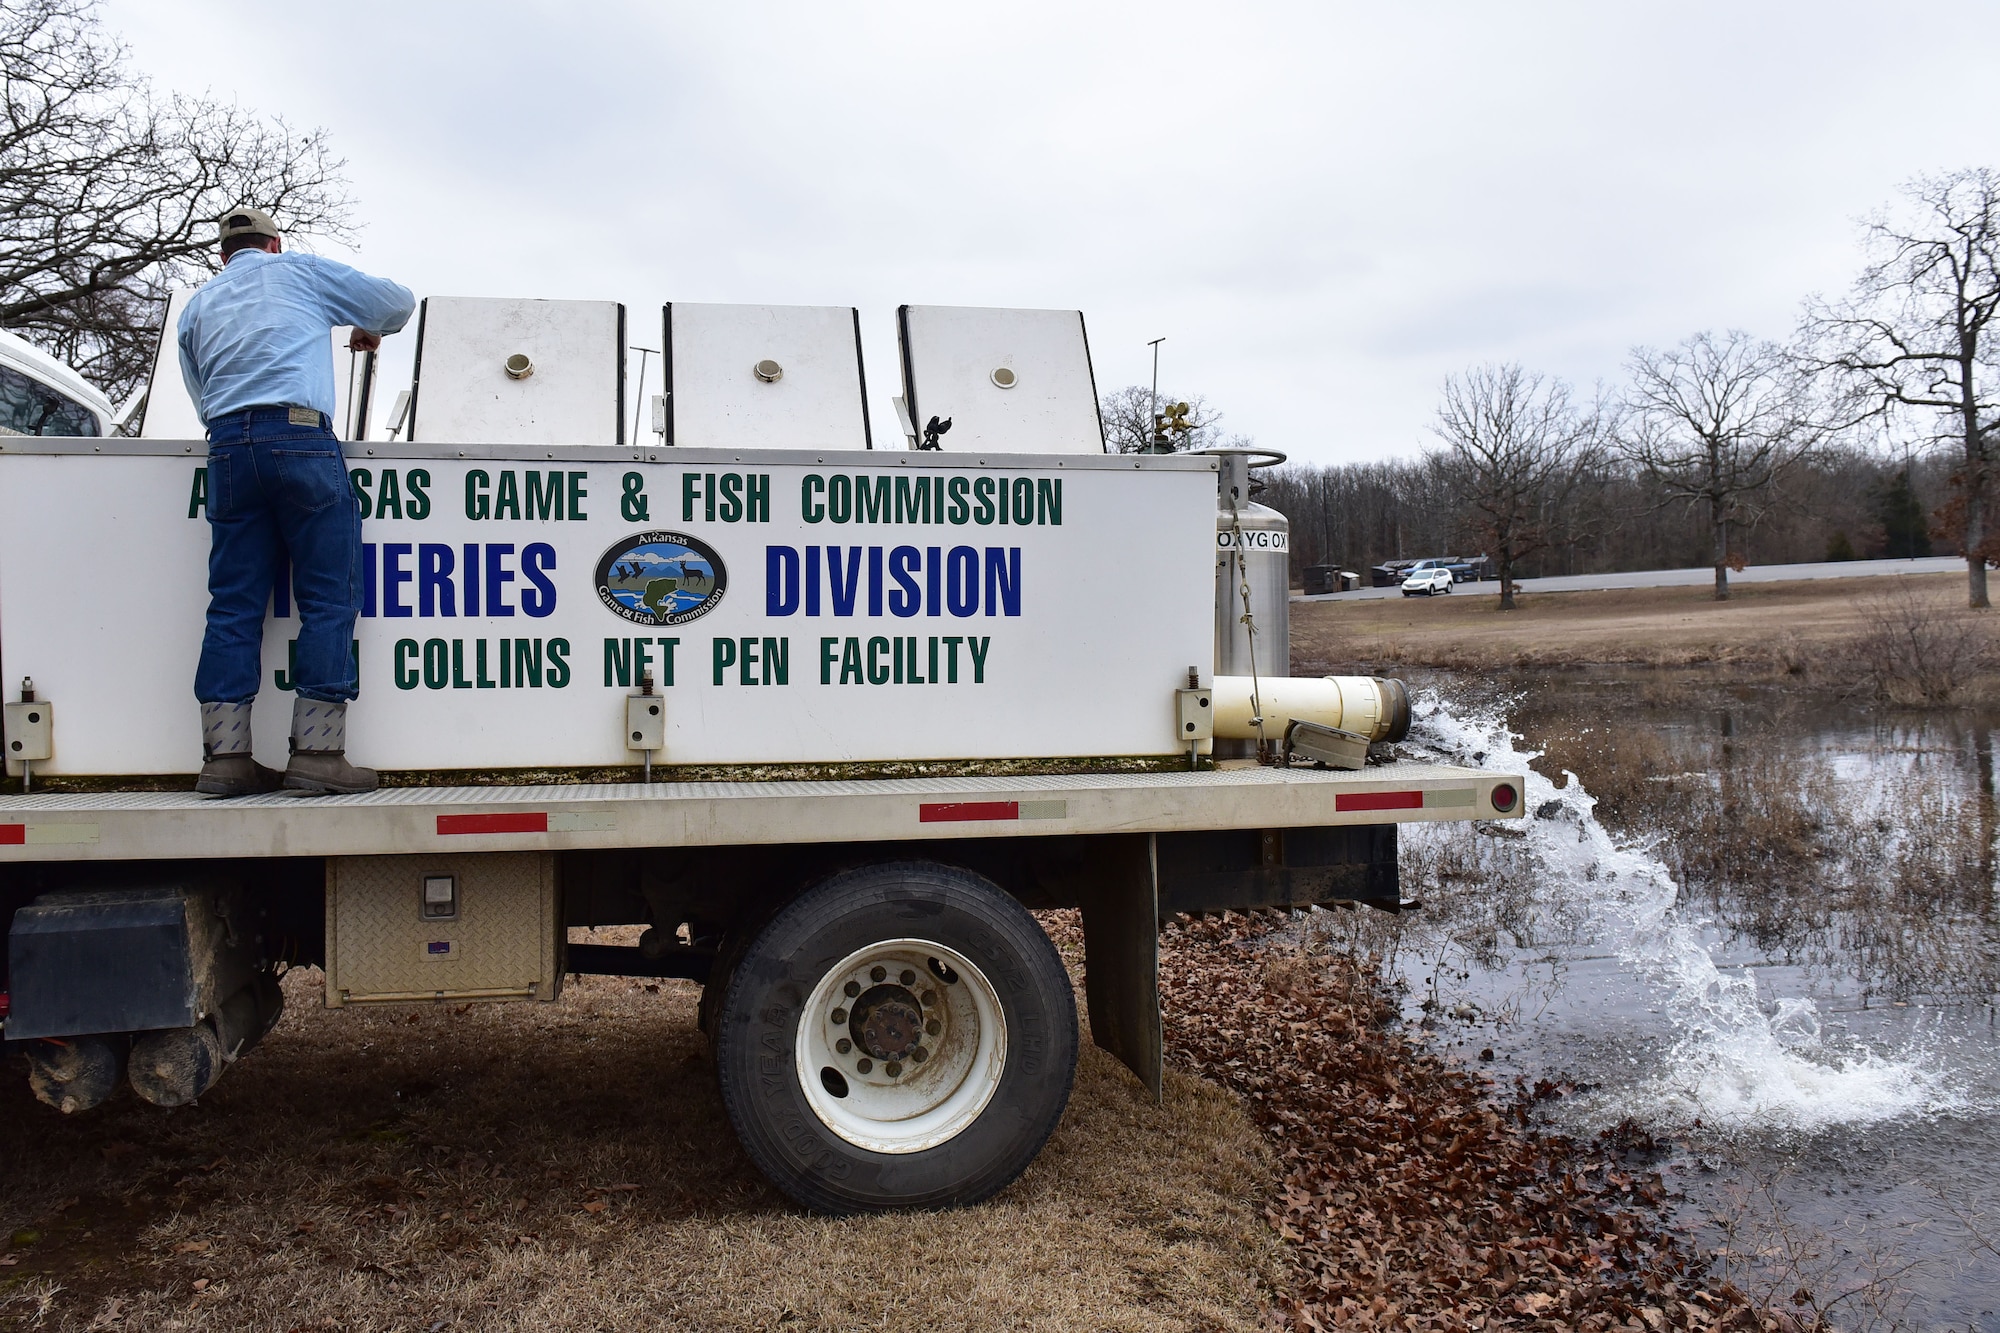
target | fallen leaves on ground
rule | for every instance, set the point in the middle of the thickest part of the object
(1409, 1197)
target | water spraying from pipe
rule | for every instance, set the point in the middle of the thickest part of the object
(1737, 1059)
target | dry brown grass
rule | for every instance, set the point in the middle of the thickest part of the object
(1804, 627)
(569, 1167)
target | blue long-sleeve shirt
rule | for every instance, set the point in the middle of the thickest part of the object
(255, 335)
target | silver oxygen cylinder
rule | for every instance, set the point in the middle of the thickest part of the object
(1253, 546)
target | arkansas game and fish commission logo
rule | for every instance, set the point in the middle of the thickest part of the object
(661, 578)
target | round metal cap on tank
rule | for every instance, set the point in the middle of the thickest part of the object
(1253, 545)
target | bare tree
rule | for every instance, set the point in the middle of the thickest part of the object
(1913, 336)
(1523, 448)
(1715, 424)
(109, 192)
(1129, 427)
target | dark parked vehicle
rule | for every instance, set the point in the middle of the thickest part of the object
(1389, 574)
(1329, 578)
(1469, 568)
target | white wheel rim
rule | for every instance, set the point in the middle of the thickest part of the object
(930, 1098)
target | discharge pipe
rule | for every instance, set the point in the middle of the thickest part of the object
(1377, 707)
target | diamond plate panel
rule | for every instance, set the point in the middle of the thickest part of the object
(504, 944)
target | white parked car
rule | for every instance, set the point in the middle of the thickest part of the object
(1428, 578)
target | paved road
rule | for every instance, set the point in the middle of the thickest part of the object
(1682, 578)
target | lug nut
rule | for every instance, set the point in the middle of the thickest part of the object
(864, 1064)
(843, 1046)
(908, 978)
(920, 1055)
(933, 1027)
(851, 989)
(878, 973)
(840, 1016)
(893, 1068)
(930, 998)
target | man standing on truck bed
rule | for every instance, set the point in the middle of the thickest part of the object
(256, 352)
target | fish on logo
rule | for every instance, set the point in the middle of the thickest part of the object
(660, 578)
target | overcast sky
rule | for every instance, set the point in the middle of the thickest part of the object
(1324, 208)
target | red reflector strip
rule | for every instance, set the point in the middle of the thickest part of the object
(527, 821)
(962, 811)
(13, 835)
(1379, 800)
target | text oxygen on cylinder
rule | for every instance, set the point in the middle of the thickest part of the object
(1253, 543)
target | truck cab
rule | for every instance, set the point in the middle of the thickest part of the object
(41, 396)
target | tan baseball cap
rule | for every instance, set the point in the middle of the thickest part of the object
(248, 221)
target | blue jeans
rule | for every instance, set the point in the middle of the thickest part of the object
(276, 490)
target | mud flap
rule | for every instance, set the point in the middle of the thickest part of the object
(1120, 898)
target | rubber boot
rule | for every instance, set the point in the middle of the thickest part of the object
(319, 751)
(227, 768)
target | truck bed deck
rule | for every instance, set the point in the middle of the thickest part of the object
(151, 825)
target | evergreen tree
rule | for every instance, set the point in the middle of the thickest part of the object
(1906, 534)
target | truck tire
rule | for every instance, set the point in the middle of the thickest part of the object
(900, 1036)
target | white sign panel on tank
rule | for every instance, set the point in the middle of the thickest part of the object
(1008, 381)
(791, 607)
(171, 415)
(492, 370)
(765, 377)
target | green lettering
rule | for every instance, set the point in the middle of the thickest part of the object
(732, 497)
(746, 662)
(476, 482)
(809, 509)
(982, 491)
(577, 495)
(558, 663)
(850, 663)
(777, 661)
(406, 660)
(878, 670)
(545, 496)
(390, 496)
(359, 479)
(528, 664)
(690, 488)
(951, 643)
(1048, 501)
(667, 647)
(617, 663)
(723, 652)
(913, 499)
(507, 496)
(417, 499)
(872, 502)
(757, 498)
(957, 487)
(632, 505)
(979, 647)
(198, 497)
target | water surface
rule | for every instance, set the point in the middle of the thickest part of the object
(1761, 925)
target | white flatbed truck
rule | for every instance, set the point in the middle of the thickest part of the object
(879, 807)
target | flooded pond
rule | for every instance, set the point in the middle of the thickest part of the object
(1762, 927)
